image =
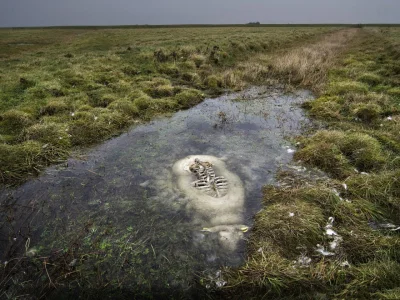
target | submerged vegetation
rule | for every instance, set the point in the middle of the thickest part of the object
(324, 238)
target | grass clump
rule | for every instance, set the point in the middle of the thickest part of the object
(367, 112)
(189, 97)
(326, 107)
(370, 78)
(205, 70)
(143, 102)
(54, 107)
(13, 121)
(382, 188)
(213, 82)
(125, 106)
(323, 151)
(394, 92)
(338, 153)
(364, 151)
(169, 69)
(88, 128)
(26, 159)
(327, 157)
(198, 59)
(370, 278)
(346, 87)
(48, 134)
(161, 91)
(291, 234)
(99, 99)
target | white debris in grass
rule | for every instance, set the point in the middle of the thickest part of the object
(344, 186)
(335, 243)
(298, 168)
(388, 226)
(302, 261)
(335, 191)
(291, 151)
(321, 249)
(219, 281)
(330, 222)
(335, 239)
(291, 214)
(389, 118)
(330, 232)
(145, 183)
(72, 114)
(345, 264)
(364, 173)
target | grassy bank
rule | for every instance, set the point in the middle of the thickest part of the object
(67, 88)
(336, 238)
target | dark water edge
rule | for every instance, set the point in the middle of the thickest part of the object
(113, 218)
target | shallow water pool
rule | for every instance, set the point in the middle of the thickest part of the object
(114, 214)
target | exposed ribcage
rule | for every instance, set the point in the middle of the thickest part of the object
(207, 181)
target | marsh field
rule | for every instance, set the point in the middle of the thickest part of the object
(92, 121)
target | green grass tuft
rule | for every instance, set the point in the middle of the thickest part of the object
(13, 121)
(345, 87)
(188, 98)
(370, 78)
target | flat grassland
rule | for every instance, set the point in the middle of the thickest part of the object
(64, 88)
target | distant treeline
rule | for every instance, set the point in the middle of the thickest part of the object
(251, 24)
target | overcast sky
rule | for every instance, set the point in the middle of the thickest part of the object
(15, 13)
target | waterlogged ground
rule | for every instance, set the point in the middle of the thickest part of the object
(113, 217)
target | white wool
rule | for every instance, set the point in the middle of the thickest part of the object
(222, 215)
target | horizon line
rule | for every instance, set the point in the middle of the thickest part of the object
(250, 24)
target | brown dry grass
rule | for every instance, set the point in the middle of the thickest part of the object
(308, 65)
(305, 65)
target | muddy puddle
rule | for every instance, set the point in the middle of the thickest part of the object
(114, 216)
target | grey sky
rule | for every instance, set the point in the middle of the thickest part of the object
(123, 12)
